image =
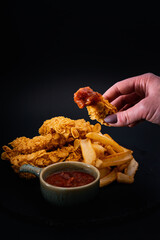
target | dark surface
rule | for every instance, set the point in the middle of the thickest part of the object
(115, 203)
(48, 51)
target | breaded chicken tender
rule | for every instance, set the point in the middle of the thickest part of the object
(26, 145)
(69, 128)
(98, 107)
(42, 158)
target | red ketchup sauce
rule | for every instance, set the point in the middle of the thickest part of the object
(69, 179)
(86, 96)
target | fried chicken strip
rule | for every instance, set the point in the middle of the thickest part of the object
(56, 132)
(59, 141)
(24, 145)
(69, 128)
(42, 158)
(98, 107)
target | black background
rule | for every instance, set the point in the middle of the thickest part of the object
(50, 49)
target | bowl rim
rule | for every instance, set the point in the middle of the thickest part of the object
(70, 188)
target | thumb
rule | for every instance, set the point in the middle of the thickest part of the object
(126, 117)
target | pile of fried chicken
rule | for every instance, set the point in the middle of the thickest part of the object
(58, 141)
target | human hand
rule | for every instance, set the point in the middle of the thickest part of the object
(136, 98)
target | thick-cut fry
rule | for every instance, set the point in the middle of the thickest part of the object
(88, 152)
(98, 163)
(116, 159)
(105, 140)
(122, 166)
(104, 171)
(107, 135)
(110, 150)
(109, 178)
(99, 149)
(123, 178)
(131, 168)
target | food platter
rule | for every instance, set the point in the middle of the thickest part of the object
(115, 202)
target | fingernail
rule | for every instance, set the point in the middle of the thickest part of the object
(111, 118)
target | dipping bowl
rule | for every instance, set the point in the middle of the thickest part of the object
(65, 196)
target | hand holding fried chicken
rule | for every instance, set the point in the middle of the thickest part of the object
(137, 99)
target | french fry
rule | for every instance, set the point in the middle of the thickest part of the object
(111, 177)
(88, 152)
(105, 140)
(104, 171)
(110, 150)
(99, 149)
(98, 163)
(123, 178)
(107, 135)
(122, 166)
(131, 168)
(116, 159)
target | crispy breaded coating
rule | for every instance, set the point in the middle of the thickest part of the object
(67, 127)
(101, 110)
(48, 142)
(32, 158)
(43, 158)
(56, 124)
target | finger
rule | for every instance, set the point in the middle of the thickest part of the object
(123, 100)
(125, 118)
(129, 105)
(126, 86)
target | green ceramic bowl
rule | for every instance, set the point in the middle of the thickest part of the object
(63, 196)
